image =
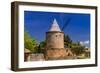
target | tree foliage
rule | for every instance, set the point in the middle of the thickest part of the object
(42, 46)
(67, 41)
(77, 48)
(29, 42)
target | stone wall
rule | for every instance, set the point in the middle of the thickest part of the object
(35, 57)
(55, 40)
(58, 53)
(51, 54)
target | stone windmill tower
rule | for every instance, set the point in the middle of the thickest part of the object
(55, 37)
(55, 42)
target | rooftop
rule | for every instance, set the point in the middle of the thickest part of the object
(55, 26)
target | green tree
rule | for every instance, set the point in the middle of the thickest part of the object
(77, 48)
(67, 41)
(29, 43)
(42, 46)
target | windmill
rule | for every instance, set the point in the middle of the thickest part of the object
(55, 41)
(55, 35)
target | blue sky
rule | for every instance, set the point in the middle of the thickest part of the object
(37, 23)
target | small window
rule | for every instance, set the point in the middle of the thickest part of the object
(56, 35)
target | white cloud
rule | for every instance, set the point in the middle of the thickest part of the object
(85, 43)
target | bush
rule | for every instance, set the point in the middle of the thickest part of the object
(77, 49)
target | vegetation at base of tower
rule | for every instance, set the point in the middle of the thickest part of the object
(78, 49)
(75, 47)
(40, 47)
(29, 43)
(42, 44)
(67, 41)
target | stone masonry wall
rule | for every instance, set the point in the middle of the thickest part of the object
(54, 40)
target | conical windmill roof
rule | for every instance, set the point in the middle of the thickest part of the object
(55, 26)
